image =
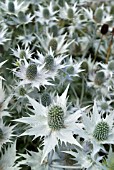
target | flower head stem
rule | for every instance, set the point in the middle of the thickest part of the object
(82, 91)
(65, 167)
(109, 49)
(98, 48)
(24, 28)
(36, 23)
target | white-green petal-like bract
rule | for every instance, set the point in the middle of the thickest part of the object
(6, 133)
(40, 123)
(33, 160)
(8, 158)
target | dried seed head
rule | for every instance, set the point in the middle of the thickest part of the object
(104, 29)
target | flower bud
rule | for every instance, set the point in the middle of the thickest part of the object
(21, 16)
(46, 13)
(53, 44)
(11, 7)
(99, 78)
(45, 99)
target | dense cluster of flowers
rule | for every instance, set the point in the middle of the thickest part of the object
(56, 85)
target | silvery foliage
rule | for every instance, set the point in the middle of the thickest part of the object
(56, 84)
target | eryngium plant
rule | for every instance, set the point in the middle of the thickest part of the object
(56, 84)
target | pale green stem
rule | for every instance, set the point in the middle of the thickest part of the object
(50, 155)
(109, 49)
(82, 92)
(36, 23)
(66, 167)
(24, 28)
(98, 48)
(74, 92)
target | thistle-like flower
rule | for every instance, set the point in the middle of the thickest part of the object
(54, 123)
(98, 129)
(22, 53)
(26, 39)
(52, 64)
(108, 69)
(58, 44)
(97, 80)
(23, 18)
(73, 68)
(13, 7)
(69, 11)
(33, 74)
(104, 105)
(46, 15)
(100, 16)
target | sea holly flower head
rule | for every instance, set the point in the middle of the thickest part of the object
(108, 69)
(26, 39)
(52, 122)
(22, 52)
(13, 7)
(23, 18)
(52, 64)
(68, 11)
(57, 44)
(73, 67)
(46, 15)
(33, 74)
(98, 129)
(104, 105)
(97, 79)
